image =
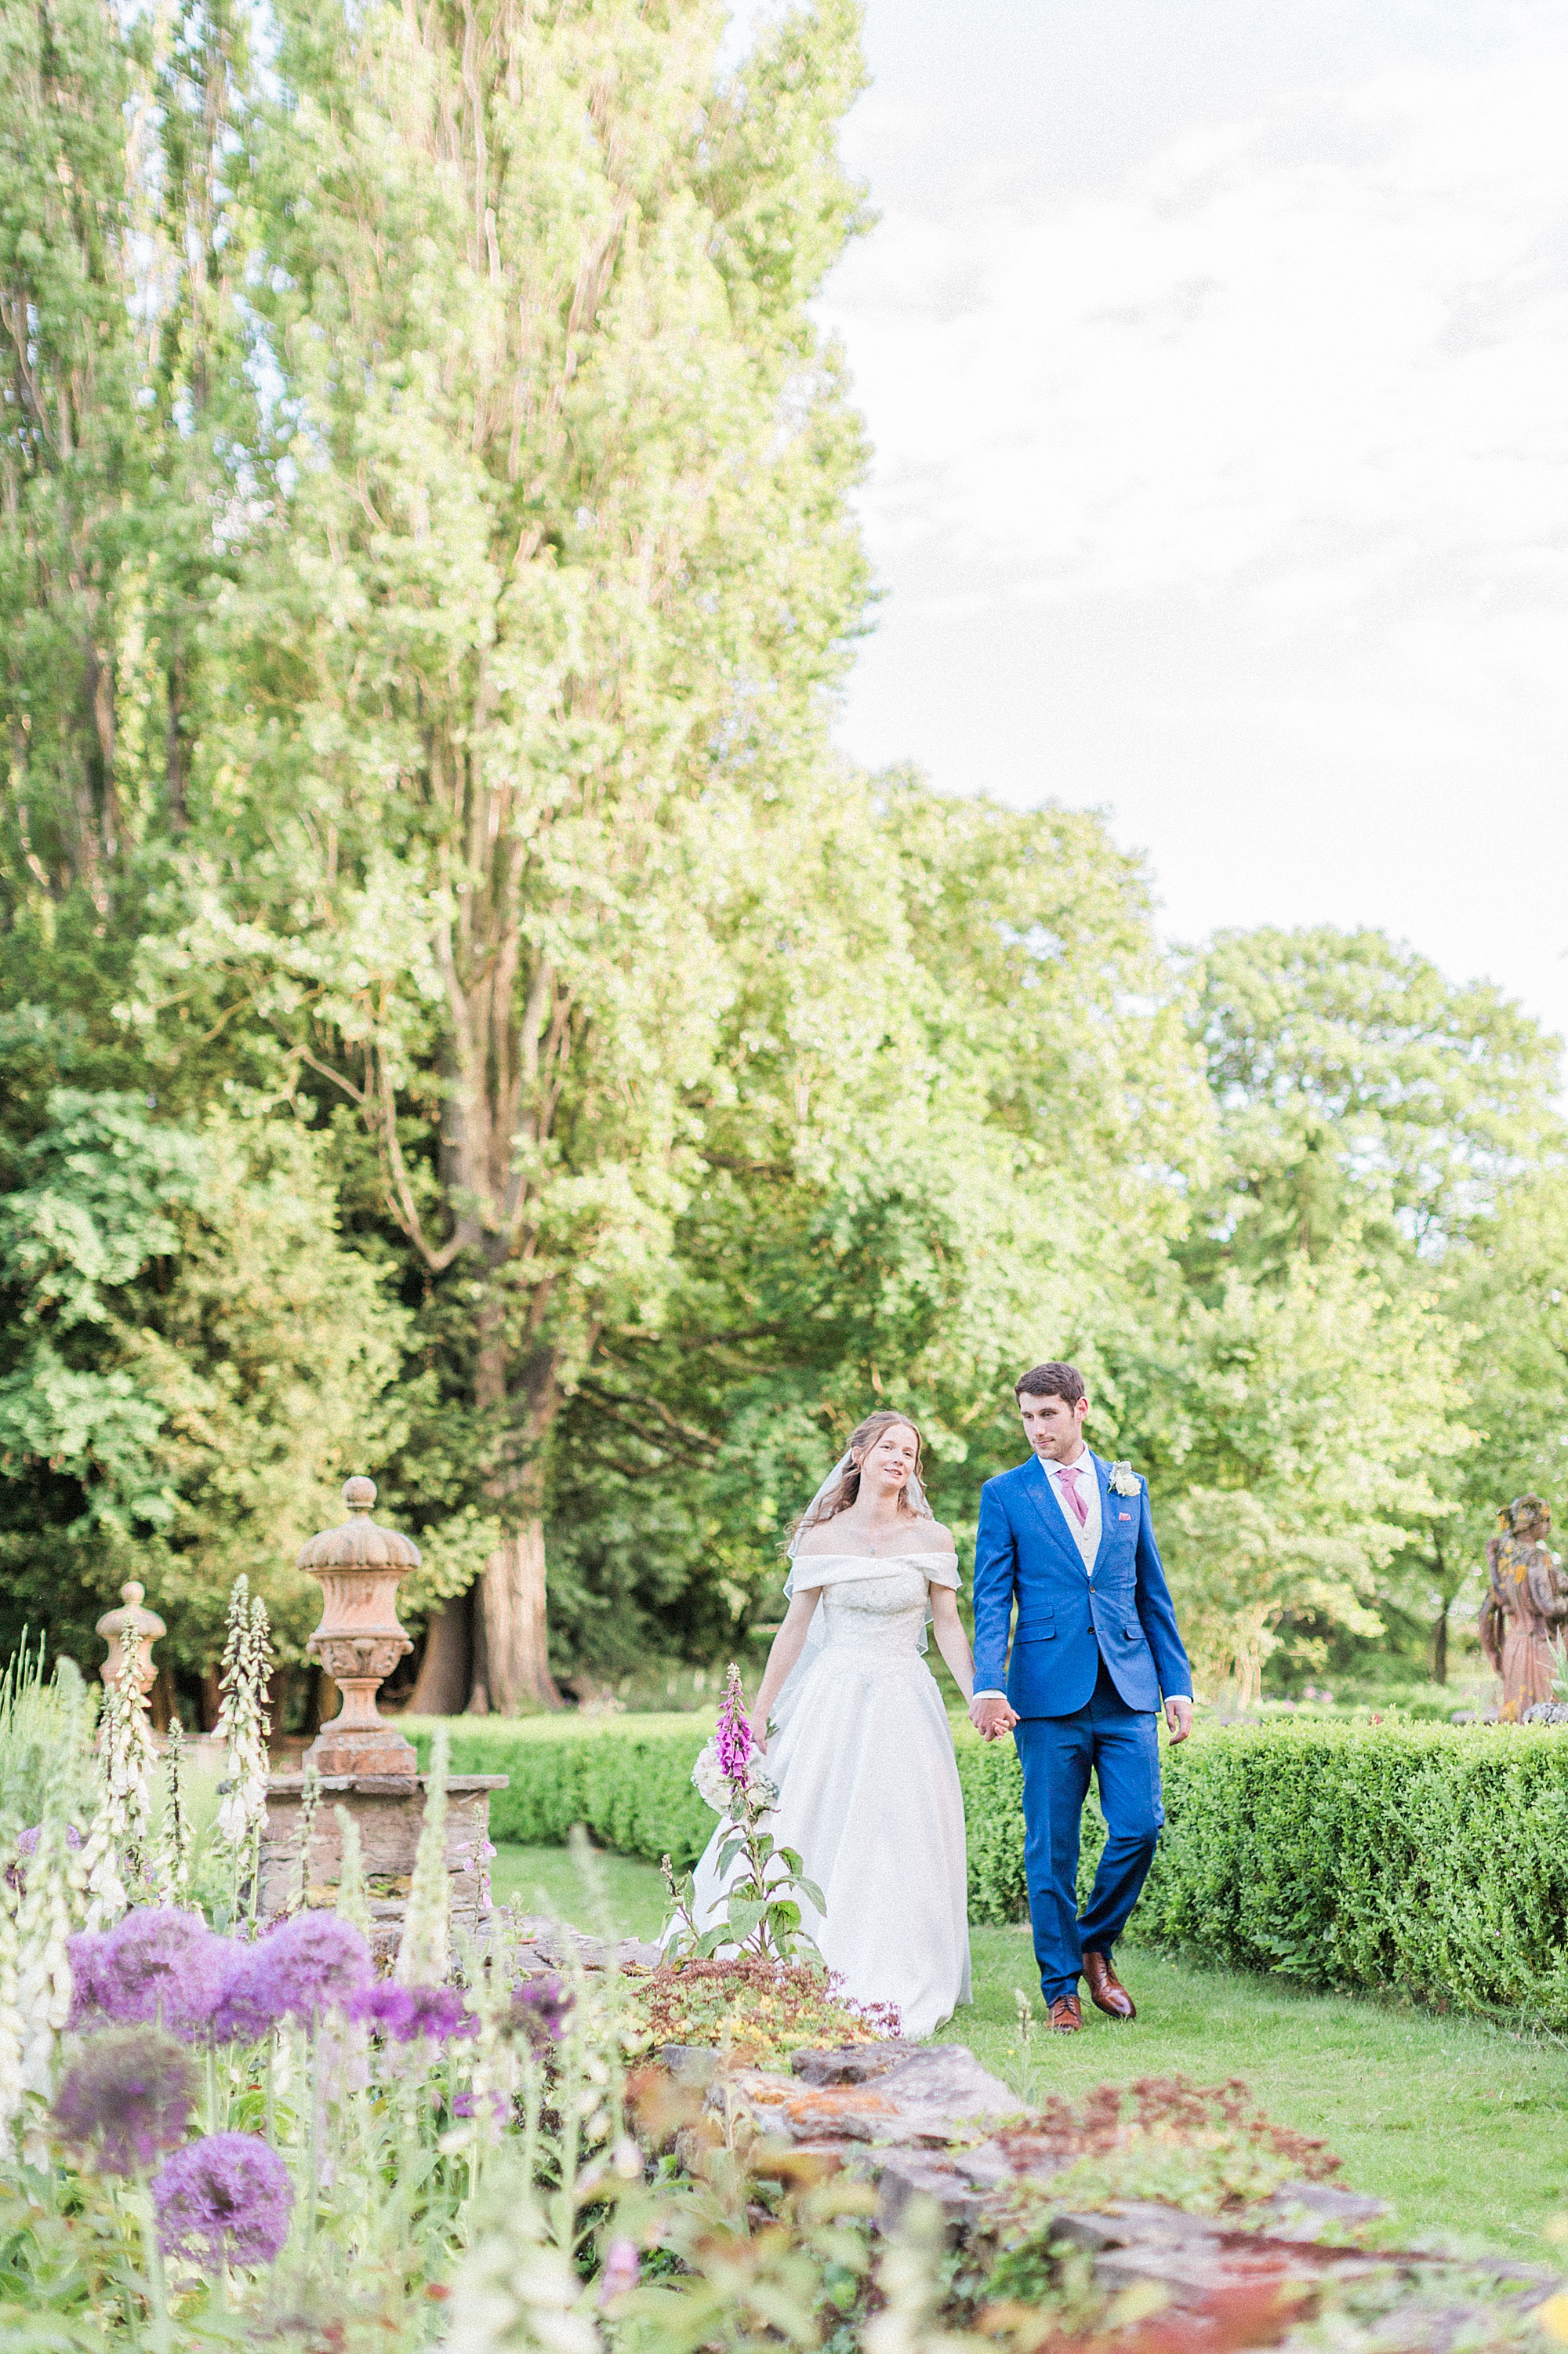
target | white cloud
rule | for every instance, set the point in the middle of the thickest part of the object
(1330, 363)
(1244, 464)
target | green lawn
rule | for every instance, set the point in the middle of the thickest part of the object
(1458, 2124)
(547, 1879)
(1455, 2123)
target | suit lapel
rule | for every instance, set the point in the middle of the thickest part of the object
(1102, 1473)
(1037, 1488)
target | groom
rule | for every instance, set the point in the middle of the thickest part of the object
(1070, 1539)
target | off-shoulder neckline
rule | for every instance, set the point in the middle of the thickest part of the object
(875, 1556)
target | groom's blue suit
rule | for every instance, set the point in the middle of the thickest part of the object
(1092, 1652)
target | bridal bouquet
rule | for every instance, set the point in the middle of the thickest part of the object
(717, 1789)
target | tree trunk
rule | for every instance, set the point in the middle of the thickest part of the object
(1440, 1647)
(511, 1635)
(1440, 1624)
(516, 1637)
(441, 1687)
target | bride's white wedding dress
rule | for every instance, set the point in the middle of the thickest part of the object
(868, 1788)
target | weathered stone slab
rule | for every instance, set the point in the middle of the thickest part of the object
(927, 2121)
(1305, 2212)
(939, 2092)
(903, 2174)
(549, 1945)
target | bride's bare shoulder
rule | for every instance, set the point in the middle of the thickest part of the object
(940, 1540)
(820, 1538)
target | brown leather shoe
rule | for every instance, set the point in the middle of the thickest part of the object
(1066, 2014)
(1106, 1991)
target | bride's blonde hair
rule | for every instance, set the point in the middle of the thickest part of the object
(840, 1497)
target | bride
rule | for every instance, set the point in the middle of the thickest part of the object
(857, 1736)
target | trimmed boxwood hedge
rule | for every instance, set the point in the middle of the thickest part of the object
(1428, 1860)
(631, 1784)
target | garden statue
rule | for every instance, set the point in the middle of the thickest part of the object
(1526, 1604)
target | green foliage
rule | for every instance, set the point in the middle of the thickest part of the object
(36, 1722)
(760, 2010)
(192, 1364)
(1423, 1861)
(631, 1790)
(1355, 1081)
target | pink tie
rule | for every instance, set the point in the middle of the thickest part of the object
(1068, 1476)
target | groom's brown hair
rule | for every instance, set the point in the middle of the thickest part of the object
(1051, 1381)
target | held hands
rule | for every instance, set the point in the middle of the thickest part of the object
(992, 1717)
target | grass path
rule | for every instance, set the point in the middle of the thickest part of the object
(1459, 2125)
(545, 1879)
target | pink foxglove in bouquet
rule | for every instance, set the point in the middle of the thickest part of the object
(727, 1769)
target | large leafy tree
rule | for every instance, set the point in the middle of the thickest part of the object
(191, 1357)
(561, 572)
(1355, 1081)
(1386, 1127)
(959, 1089)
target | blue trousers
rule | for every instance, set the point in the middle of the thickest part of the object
(1121, 1745)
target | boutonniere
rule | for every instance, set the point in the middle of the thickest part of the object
(1123, 1480)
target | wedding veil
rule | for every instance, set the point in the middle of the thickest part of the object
(914, 1496)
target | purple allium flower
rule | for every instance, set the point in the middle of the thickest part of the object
(224, 2200)
(401, 2013)
(27, 1845)
(311, 1964)
(622, 2270)
(734, 1733)
(470, 2104)
(541, 2008)
(160, 1965)
(85, 1951)
(27, 1841)
(131, 2090)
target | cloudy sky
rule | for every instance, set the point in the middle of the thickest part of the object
(1216, 362)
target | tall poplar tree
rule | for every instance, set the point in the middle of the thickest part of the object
(560, 575)
(72, 444)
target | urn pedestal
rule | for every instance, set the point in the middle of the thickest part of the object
(131, 1630)
(388, 1812)
(363, 1763)
(359, 1641)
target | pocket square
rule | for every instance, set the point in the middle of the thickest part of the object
(1124, 1516)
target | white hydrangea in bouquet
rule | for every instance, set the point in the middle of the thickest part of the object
(718, 1789)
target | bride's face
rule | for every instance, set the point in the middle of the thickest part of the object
(888, 1462)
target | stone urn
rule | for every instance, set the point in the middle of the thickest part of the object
(133, 1628)
(359, 1641)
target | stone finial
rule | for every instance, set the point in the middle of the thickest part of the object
(359, 1641)
(131, 1628)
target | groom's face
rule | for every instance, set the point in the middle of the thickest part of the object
(1053, 1428)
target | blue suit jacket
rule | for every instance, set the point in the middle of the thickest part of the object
(1070, 1618)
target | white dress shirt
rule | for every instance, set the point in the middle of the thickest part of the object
(1084, 1535)
(1087, 1537)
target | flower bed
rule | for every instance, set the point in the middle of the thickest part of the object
(211, 2137)
(757, 2010)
